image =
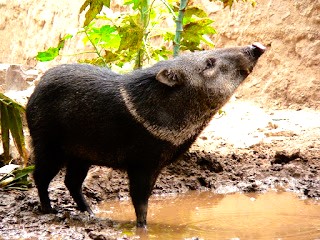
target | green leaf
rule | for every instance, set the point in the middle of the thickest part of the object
(5, 132)
(131, 33)
(110, 56)
(95, 7)
(136, 3)
(194, 11)
(200, 27)
(53, 52)
(105, 37)
(22, 172)
(11, 121)
(67, 36)
(161, 54)
(48, 55)
(193, 34)
(15, 124)
(22, 188)
(17, 179)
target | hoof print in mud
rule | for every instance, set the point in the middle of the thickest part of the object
(206, 162)
(283, 157)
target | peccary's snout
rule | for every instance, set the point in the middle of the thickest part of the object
(257, 49)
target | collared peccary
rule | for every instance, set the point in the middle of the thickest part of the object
(82, 115)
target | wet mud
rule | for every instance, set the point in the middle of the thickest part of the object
(272, 215)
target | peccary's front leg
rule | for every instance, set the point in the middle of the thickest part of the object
(142, 181)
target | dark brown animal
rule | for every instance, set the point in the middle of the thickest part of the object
(82, 115)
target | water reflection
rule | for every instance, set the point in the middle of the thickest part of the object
(209, 216)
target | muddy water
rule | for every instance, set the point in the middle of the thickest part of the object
(208, 216)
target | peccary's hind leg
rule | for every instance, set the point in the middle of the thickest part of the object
(76, 173)
(47, 165)
(141, 184)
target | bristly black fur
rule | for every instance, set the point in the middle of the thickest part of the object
(81, 115)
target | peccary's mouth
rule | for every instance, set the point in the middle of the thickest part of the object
(257, 49)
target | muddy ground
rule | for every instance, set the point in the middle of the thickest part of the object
(248, 149)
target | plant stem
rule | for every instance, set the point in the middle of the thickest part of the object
(75, 54)
(95, 48)
(145, 12)
(179, 28)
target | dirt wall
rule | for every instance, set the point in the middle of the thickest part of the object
(29, 26)
(287, 76)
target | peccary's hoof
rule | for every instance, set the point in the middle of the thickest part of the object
(142, 225)
(48, 210)
(90, 212)
(86, 209)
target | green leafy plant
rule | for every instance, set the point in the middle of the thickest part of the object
(17, 179)
(95, 7)
(143, 34)
(52, 52)
(11, 122)
(132, 37)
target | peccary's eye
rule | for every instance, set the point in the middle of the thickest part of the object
(210, 63)
(244, 73)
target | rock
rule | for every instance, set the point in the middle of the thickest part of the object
(17, 77)
(3, 73)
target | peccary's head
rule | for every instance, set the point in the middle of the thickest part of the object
(214, 73)
(175, 99)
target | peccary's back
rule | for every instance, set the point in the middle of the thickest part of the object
(75, 95)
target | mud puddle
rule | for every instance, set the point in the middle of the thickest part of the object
(273, 215)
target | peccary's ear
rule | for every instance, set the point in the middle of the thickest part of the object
(169, 77)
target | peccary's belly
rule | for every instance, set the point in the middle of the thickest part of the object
(120, 149)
